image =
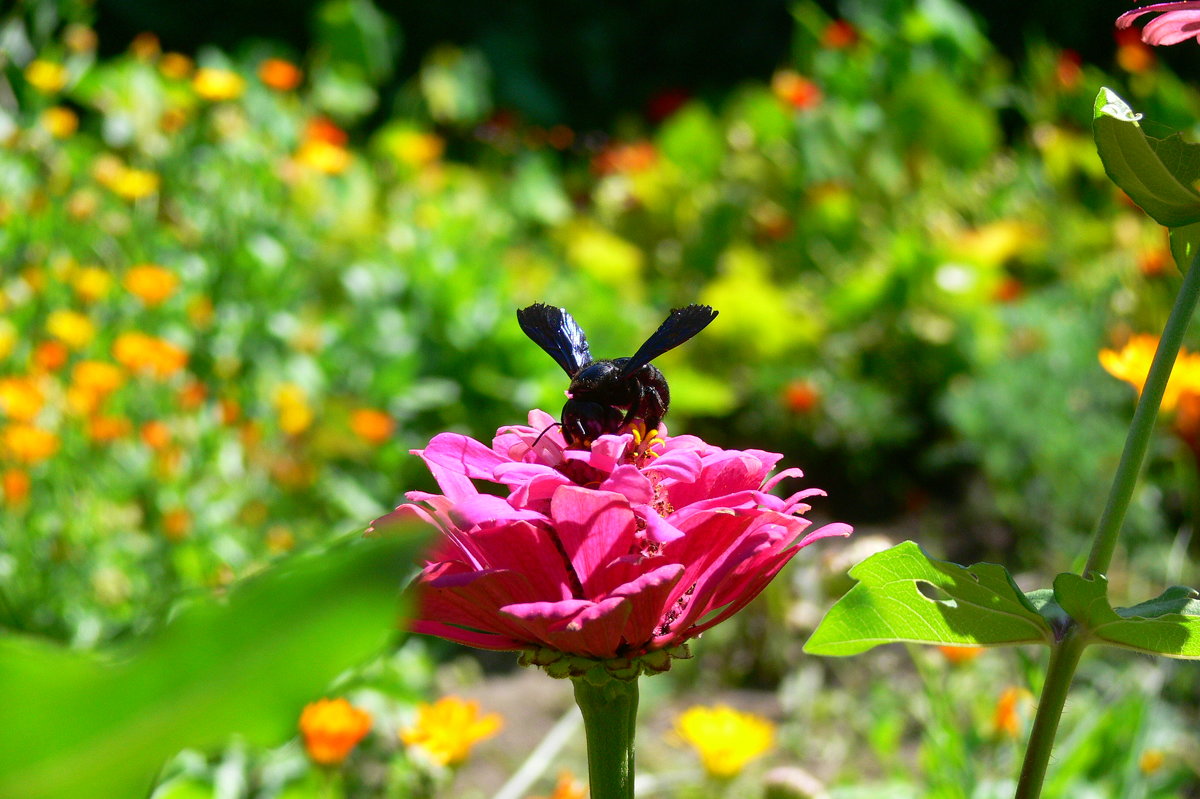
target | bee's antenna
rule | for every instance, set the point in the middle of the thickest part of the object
(544, 432)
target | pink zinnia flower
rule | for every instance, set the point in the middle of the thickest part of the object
(613, 552)
(1179, 22)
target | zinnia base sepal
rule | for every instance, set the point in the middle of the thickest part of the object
(609, 708)
(561, 665)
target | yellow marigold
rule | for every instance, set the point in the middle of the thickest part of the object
(1151, 760)
(71, 328)
(295, 415)
(134, 184)
(96, 376)
(1132, 364)
(218, 84)
(416, 148)
(91, 283)
(372, 426)
(150, 283)
(60, 121)
(447, 729)
(1008, 717)
(176, 66)
(8, 335)
(27, 444)
(47, 77)
(147, 354)
(279, 74)
(331, 728)
(725, 739)
(20, 398)
(323, 156)
(16, 485)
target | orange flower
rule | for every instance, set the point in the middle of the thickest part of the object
(839, 35)
(228, 410)
(176, 523)
(175, 66)
(20, 398)
(801, 396)
(80, 38)
(103, 429)
(28, 444)
(71, 328)
(957, 655)
(218, 84)
(47, 77)
(625, 158)
(16, 486)
(331, 728)
(96, 376)
(280, 540)
(192, 395)
(567, 787)
(145, 46)
(447, 729)
(154, 356)
(322, 129)
(281, 75)
(1068, 70)
(372, 426)
(155, 434)
(1133, 55)
(1009, 711)
(150, 283)
(50, 356)
(59, 121)
(795, 90)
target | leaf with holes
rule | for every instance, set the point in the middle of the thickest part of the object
(904, 595)
(1167, 625)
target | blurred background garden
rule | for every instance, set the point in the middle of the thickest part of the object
(252, 254)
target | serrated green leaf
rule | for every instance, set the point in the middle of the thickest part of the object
(1167, 625)
(76, 724)
(1156, 174)
(976, 605)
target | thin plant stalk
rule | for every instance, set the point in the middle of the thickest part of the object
(1065, 654)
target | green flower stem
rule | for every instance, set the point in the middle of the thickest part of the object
(1140, 430)
(1065, 654)
(609, 708)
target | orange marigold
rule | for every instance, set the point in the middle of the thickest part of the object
(103, 429)
(25, 443)
(331, 728)
(151, 283)
(372, 426)
(21, 398)
(1007, 719)
(281, 75)
(59, 121)
(50, 356)
(157, 357)
(16, 484)
(958, 655)
(1132, 364)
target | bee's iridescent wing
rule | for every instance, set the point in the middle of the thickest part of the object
(557, 332)
(681, 325)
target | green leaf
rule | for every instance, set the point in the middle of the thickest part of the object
(1185, 243)
(80, 725)
(904, 595)
(1156, 174)
(1167, 625)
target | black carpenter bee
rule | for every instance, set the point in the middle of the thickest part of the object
(606, 395)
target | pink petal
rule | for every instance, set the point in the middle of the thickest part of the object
(658, 530)
(681, 464)
(628, 480)
(479, 640)
(1172, 28)
(649, 595)
(595, 527)
(462, 455)
(775, 480)
(578, 626)
(487, 510)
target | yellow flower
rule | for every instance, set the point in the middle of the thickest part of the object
(447, 729)
(218, 84)
(155, 356)
(323, 156)
(8, 336)
(372, 426)
(134, 184)
(20, 398)
(28, 444)
(1151, 760)
(47, 77)
(91, 283)
(725, 739)
(96, 376)
(176, 66)
(415, 148)
(150, 283)
(60, 121)
(71, 328)
(295, 415)
(279, 74)
(331, 728)
(1132, 364)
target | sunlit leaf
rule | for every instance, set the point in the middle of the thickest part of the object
(1156, 174)
(80, 725)
(1167, 625)
(904, 595)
